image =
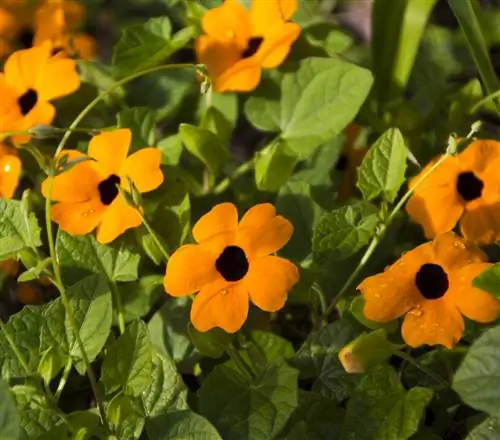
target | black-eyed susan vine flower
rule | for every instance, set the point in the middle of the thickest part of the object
(464, 189)
(31, 79)
(10, 171)
(232, 265)
(239, 43)
(89, 192)
(431, 286)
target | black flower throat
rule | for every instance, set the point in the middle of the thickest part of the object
(469, 186)
(432, 281)
(232, 263)
(27, 101)
(108, 189)
(252, 47)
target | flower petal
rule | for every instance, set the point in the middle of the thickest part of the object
(244, 76)
(143, 167)
(480, 155)
(480, 223)
(269, 280)
(110, 149)
(117, 219)
(10, 171)
(453, 252)
(267, 14)
(78, 184)
(78, 218)
(220, 305)
(435, 322)
(57, 78)
(42, 113)
(222, 218)
(473, 303)
(229, 22)
(435, 204)
(276, 46)
(23, 67)
(261, 232)
(189, 269)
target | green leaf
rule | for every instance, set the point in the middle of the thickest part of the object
(99, 75)
(243, 410)
(476, 380)
(92, 305)
(139, 297)
(382, 170)
(206, 146)
(341, 233)
(398, 27)
(24, 328)
(168, 329)
(215, 121)
(36, 422)
(274, 347)
(212, 343)
(489, 281)
(10, 428)
(125, 414)
(312, 96)
(185, 425)
(262, 109)
(80, 256)
(171, 149)
(295, 202)
(380, 408)
(146, 45)
(318, 358)
(487, 430)
(467, 16)
(274, 164)
(129, 361)
(19, 228)
(142, 123)
(165, 389)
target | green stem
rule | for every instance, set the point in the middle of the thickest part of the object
(158, 241)
(423, 369)
(118, 307)
(242, 169)
(380, 235)
(64, 378)
(235, 356)
(485, 100)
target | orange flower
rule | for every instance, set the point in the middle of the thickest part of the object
(465, 189)
(349, 161)
(8, 29)
(27, 293)
(239, 43)
(10, 170)
(31, 79)
(9, 267)
(57, 22)
(231, 264)
(89, 191)
(432, 285)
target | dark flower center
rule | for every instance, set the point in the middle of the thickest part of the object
(232, 263)
(26, 37)
(432, 281)
(56, 50)
(253, 47)
(469, 186)
(342, 163)
(27, 101)
(108, 189)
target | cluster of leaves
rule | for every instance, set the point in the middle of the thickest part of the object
(281, 376)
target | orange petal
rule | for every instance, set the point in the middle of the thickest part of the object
(10, 170)
(27, 294)
(116, 220)
(189, 269)
(480, 155)
(110, 149)
(276, 46)
(222, 218)
(78, 184)
(220, 305)
(261, 232)
(244, 76)
(10, 114)
(78, 218)
(217, 55)
(84, 45)
(267, 14)
(42, 113)
(435, 204)
(57, 78)
(23, 67)
(143, 167)
(453, 252)
(436, 322)
(480, 223)
(473, 303)
(269, 280)
(229, 22)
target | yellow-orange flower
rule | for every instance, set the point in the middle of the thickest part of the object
(10, 171)
(232, 264)
(31, 79)
(432, 286)
(465, 189)
(8, 29)
(239, 43)
(88, 193)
